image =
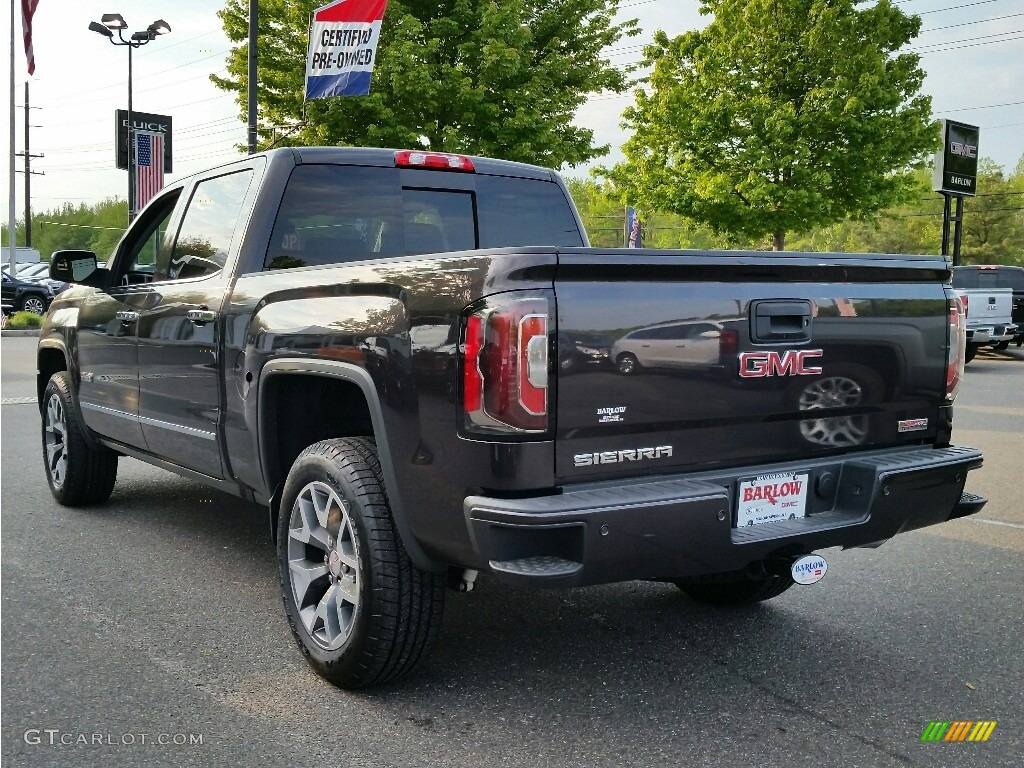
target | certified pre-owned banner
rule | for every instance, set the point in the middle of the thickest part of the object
(342, 48)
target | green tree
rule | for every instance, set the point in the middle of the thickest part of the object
(779, 116)
(603, 215)
(479, 76)
(991, 231)
(96, 227)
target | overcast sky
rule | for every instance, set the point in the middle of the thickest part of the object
(972, 52)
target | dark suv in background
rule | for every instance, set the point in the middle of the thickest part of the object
(996, 276)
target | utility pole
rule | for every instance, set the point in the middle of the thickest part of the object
(27, 154)
(12, 240)
(254, 21)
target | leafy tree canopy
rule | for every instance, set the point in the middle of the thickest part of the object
(993, 222)
(96, 228)
(781, 115)
(478, 76)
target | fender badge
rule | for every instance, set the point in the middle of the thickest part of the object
(809, 569)
(912, 425)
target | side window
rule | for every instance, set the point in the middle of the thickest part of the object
(521, 212)
(965, 278)
(335, 213)
(697, 330)
(1013, 279)
(644, 334)
(207, 229)
(437, 221)
(153, 244)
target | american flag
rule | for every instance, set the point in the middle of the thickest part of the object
(28, 10)
(149, 167)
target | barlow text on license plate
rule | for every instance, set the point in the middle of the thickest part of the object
(771, 498)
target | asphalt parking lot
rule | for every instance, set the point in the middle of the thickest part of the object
(157, 618)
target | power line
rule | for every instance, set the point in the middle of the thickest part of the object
(971, 45)
(622, 50)
(971, 39)
(123, 83)
(986, 106)
(80, 226)
(976, 21)
(956, 7)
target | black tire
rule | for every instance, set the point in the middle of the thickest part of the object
(972, 350)
(78, 473)
(735, 593)
(1003, 345)
(32, 302)
(391, 609)
(627, 364)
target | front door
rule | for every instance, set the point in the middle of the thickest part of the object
(107, 330)
(180, 336)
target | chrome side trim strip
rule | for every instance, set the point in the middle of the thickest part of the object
(178, 428)
(108, 411)
(202, 433)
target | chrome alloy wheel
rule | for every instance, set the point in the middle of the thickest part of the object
(833, 392)
(34, 305)
(323, 563)
(56, 441)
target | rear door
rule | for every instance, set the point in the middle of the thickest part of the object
(793, 356)
(179, 332)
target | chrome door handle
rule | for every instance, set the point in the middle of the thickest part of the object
(127, 316)
(201, 316)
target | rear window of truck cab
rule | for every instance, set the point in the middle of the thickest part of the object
(332, 214)
(970, 277)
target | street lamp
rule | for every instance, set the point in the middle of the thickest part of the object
(107, 25)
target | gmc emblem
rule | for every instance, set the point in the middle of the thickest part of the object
(756, 365)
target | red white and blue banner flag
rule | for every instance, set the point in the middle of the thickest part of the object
(343, 47)
(634, 229)
(149, 167)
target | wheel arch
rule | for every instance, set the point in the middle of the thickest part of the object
(50, 358)
(352, 388)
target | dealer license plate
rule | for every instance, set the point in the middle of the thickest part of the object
(771, 498)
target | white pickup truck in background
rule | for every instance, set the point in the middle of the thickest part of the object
(989, 318)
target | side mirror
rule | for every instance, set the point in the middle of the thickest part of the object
(72, 266)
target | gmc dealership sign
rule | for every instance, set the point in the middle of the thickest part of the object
(956, 164)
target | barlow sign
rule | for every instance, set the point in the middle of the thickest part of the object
(956, 164)
(342, 48)
(143, 122)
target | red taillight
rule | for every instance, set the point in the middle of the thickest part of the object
(728, 342)
(957, 346)
(472, 380)
(965, 300)
(437, 160)
(505, 368)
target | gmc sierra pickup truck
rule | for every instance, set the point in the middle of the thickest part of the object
(368, 343)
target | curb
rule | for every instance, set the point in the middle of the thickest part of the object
(26, 332)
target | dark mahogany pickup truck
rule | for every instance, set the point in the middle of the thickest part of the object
(417, 364)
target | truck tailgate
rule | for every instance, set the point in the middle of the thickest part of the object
(670, 360)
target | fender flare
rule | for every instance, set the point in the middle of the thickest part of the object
(58, 344)
(352, 374)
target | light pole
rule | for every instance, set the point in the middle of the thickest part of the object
(106, 26)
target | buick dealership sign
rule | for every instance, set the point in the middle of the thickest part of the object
(144, 122)
(956, 164)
